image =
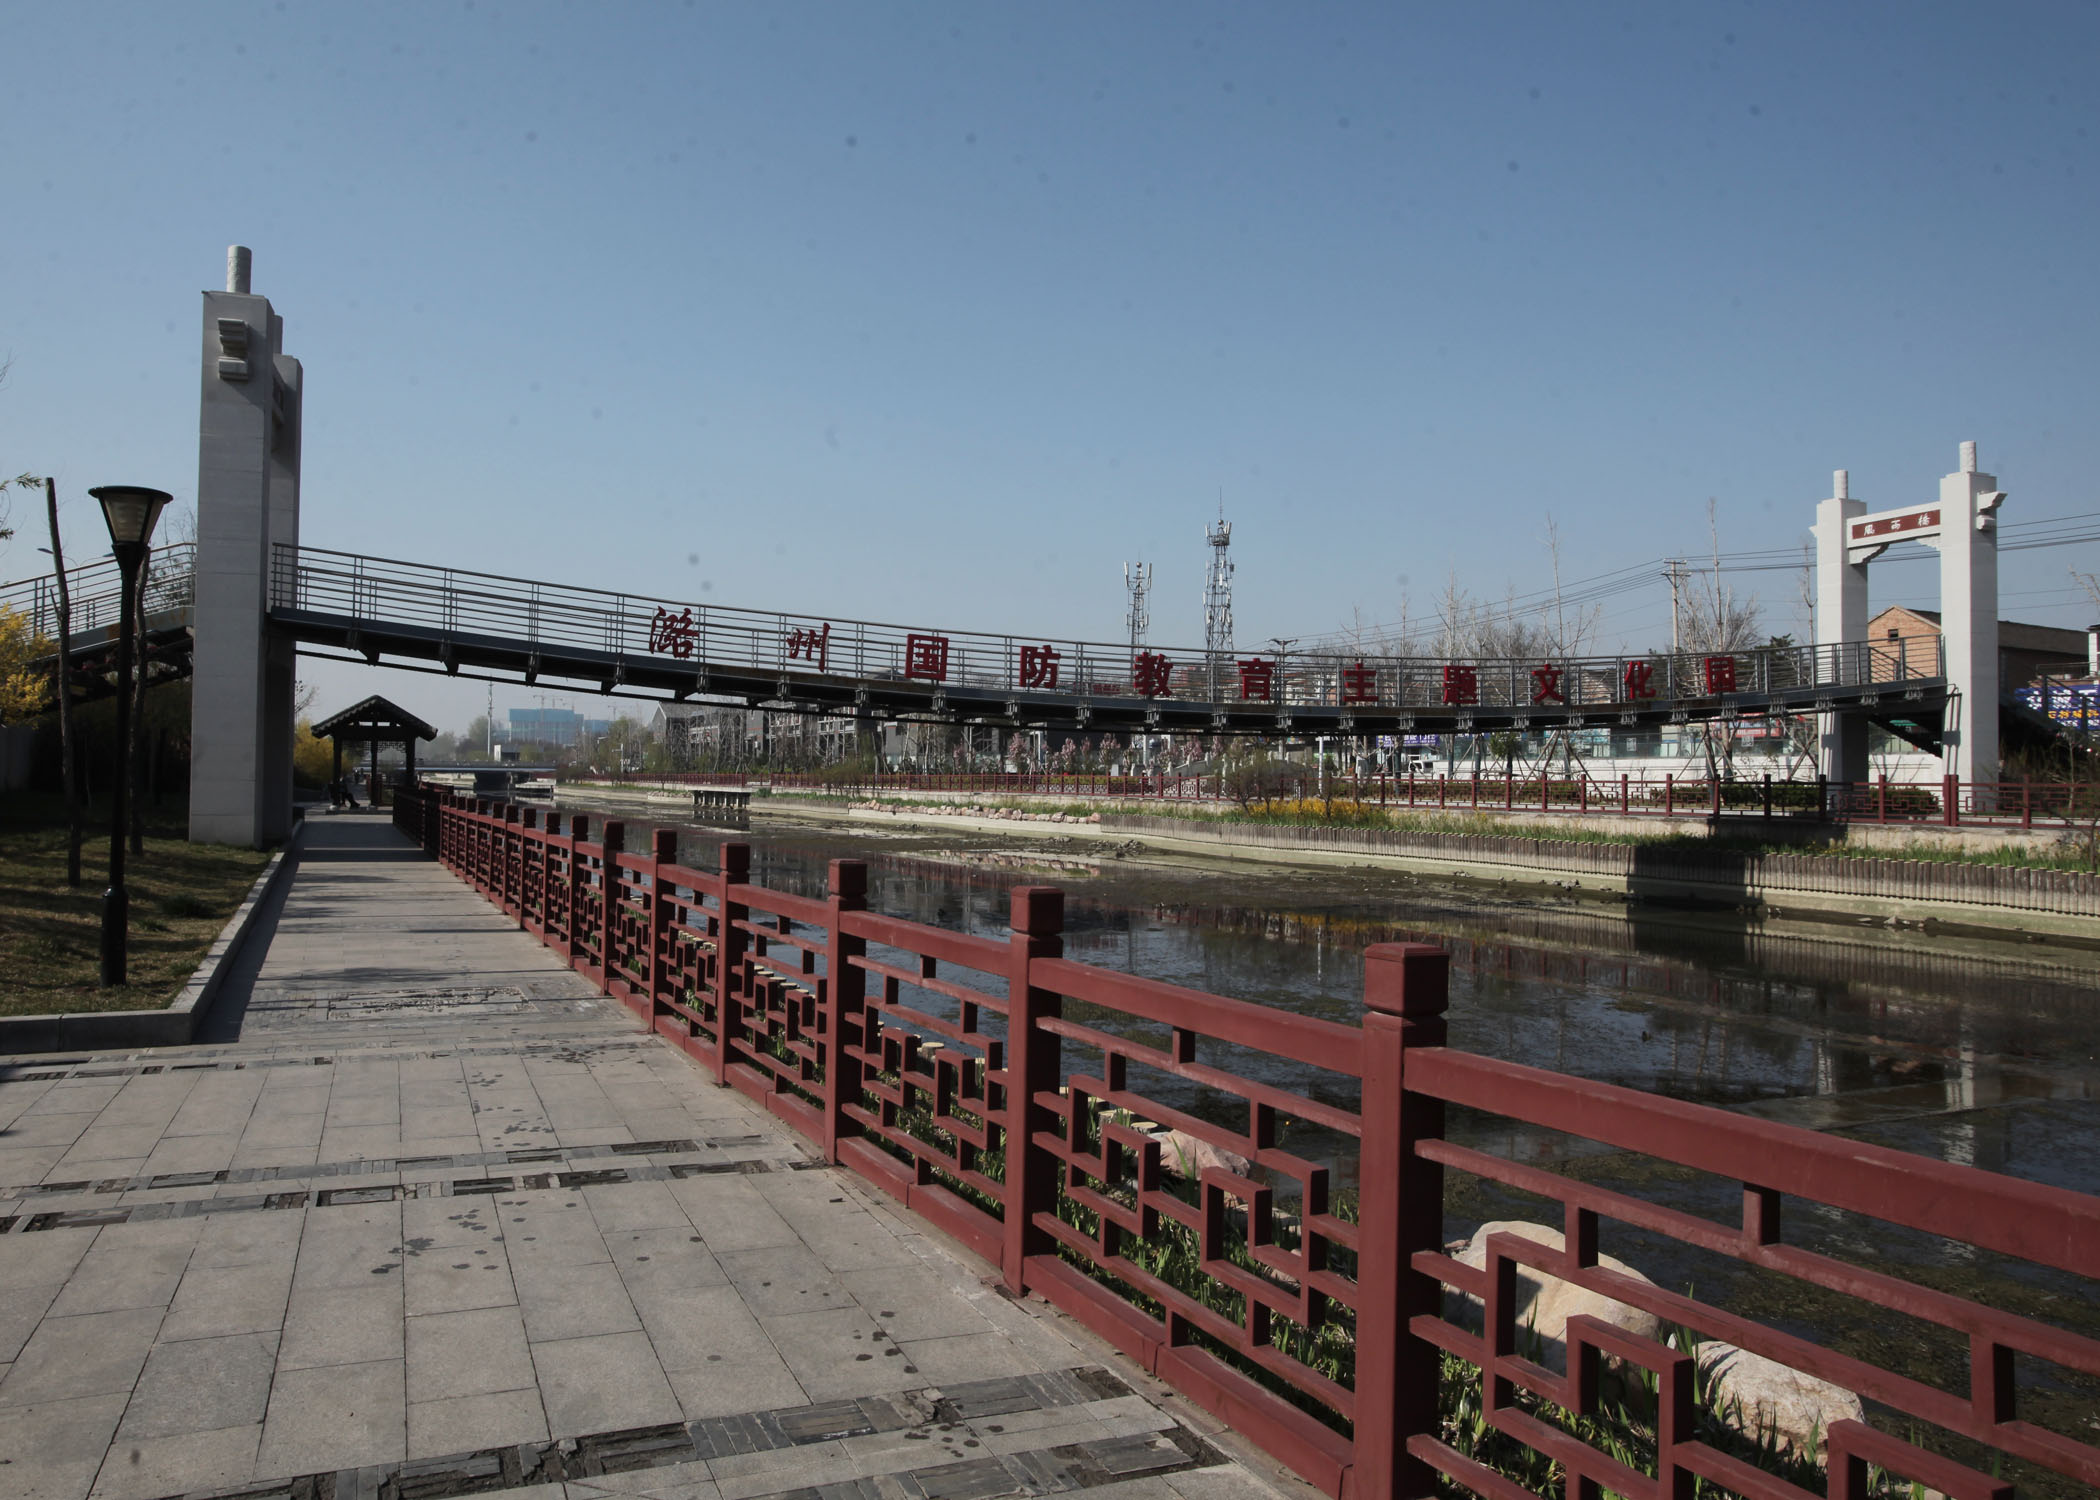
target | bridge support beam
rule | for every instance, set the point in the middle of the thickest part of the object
(248, 436)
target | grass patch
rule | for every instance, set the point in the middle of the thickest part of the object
(51, 933)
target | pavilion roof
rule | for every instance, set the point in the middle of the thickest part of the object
(375, 714)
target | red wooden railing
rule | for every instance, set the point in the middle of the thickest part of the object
(998, 1089)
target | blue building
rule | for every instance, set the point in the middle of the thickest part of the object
(558, 728)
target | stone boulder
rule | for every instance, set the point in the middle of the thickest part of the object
(1186, 1156)
(1545, 1303)
(1758, 1396)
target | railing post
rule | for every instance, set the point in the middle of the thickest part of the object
(663, 850)
(1822, 798)
(579, 830)
(1717, 796)
(1032, 1066)
(1625, 794)
(612, 838)
(1881, 799)
(845, 993)
(1768, 796)
(729, 948)
(513, 861)
(1951, 802)
(1669, 794)
(1401, 1213)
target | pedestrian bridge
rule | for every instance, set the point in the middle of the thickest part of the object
(345, 605)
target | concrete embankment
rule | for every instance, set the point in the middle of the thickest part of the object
(2009, 898)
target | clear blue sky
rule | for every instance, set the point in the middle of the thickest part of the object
(940, 313)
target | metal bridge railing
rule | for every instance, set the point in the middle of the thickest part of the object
(95, 591)
(453, 602)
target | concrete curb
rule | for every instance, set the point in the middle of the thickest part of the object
(176, 1026)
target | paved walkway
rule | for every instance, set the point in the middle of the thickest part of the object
(425, 1216)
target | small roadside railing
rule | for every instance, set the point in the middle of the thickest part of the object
(1251, 1203)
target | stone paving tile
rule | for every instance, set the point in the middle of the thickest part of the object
(474, 1353)
(93, 1354)
(139, 1268)
(343, 1325)
(202, 1385)
(334, 1417)
(603, 1384)
(784, 1279)
(234, 1299)
(144, 1468)
(661, 1260)
(461, 1424)
(569, 1302)
(54, 1448)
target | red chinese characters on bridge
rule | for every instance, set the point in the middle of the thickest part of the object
(1545, 684)
(1640, 680)
(1257, 680)
(811, 643)
(1149, 674)
(1720, 674)
(672, 633)
(1461, 686)
(1359, 684)
(1038, 667)
(926, 657)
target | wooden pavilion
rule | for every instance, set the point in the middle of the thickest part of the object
(375, 721)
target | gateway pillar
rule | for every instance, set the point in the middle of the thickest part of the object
(248, 434)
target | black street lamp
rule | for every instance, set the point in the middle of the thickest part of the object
(130, 513)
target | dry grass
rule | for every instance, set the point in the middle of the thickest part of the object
(182, 894)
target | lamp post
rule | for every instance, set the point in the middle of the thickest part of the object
(130, 512)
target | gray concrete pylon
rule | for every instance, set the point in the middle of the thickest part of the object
(1841, 618)
(1968, 548)
(242, 691)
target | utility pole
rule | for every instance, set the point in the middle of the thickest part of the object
(488, 725)
(1673, 570)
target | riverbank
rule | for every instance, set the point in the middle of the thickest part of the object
(1666, 869)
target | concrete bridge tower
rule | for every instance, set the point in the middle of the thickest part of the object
(248, 434)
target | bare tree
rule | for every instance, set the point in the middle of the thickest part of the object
(63, 673)
(1718, 620)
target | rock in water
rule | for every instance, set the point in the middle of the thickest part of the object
(1758, 1397)
(1187, 1156)
(1545, 1303)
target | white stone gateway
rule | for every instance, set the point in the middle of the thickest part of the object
(1963, 528)
(241, 704)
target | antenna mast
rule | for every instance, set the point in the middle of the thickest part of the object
(1217, 602)
(1137, 577)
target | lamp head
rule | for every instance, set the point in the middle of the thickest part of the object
(130, 512)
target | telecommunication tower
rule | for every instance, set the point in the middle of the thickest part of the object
(1217, 603)
(1137, 577)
